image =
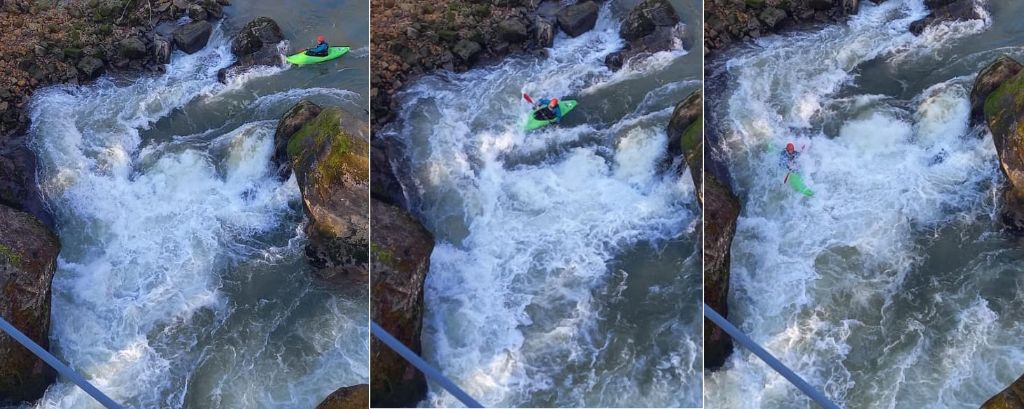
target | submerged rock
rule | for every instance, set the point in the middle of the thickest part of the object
(329, 156)
(401, 257)
(1004, 112)
(28, 259)
(349, 397)
(193, 36)
(990, 78)
(578, 18)
(1010, 398)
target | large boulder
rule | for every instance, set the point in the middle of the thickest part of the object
(193, 36)
(401, 258)
(132, 48)
(255, 35)
(1010, 398)
(298, 116)
(544, 32)
(349, 397)
(647, 16)
(686, 135)
(1004, 112)
(513, 30)
(467, 50)
(255, 45)
(329, 156)
(28, 259)
(578, 18)
(990, 78)
(957, 10)
(721, 210)
(90, 67)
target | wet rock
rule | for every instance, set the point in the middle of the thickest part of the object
(400, 254)
(132, 48)
(578, 18)
(1004, 111)
(513, 30)
(161, 51)
(255, 35)
(544, 32)
(958, 10)
(686, 134)
(193, 36)
(1010, 398)
(293, 120)
(647, 16)
(213, 8)
(329, 156)
(349, 397)
(772, 16)
(255, 45)
(384, 185)
(91, 67)
(28, 260)
(614, 60)
(196, 12)
(990, 78)
(467, 50)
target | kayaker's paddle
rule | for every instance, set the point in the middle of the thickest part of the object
(528, 99)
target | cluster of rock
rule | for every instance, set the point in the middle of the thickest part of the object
(255, 44)
(412, 38)
(730, 21)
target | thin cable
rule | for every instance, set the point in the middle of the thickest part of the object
(423, 366)
(767, 357)
(64, 370)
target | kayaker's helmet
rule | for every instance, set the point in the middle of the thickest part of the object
(790, 148)
(321, 39)
(554, 102)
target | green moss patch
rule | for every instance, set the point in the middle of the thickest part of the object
(346, 153)
(1011, 90)
(12, 256)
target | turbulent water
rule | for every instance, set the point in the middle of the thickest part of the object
(182, 281)
(892, 287)
(564, 272)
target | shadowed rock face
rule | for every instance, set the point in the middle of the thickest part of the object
(1004, 114)
(254, 45)
(349, 397)
(28, 259)
(990, 78)
(329, 156)
(578, 18)
(400, 254)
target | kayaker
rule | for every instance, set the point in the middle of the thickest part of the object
(789, 157)
(548, 109)
(321, 49)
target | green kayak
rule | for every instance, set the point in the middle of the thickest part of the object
(796, 182)
(303, 59)
(534, 123)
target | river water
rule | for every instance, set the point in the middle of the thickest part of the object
(894, 286)
(565, 271)
(182, 281)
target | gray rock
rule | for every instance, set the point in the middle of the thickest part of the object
(193, 36)
(544, 32)
(132, 48)
(513, 30)
(772, 16)
(255, 35)
(161, 51)
(467, 50)
(646, 17)
(578, 18)
(91, 67)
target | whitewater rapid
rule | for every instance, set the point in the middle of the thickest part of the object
(880, 288)
(543, 236)
(181, 282)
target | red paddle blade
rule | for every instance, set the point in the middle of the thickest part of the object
(527, 98)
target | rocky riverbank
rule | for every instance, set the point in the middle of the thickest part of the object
(414, 38)
(728, 22)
